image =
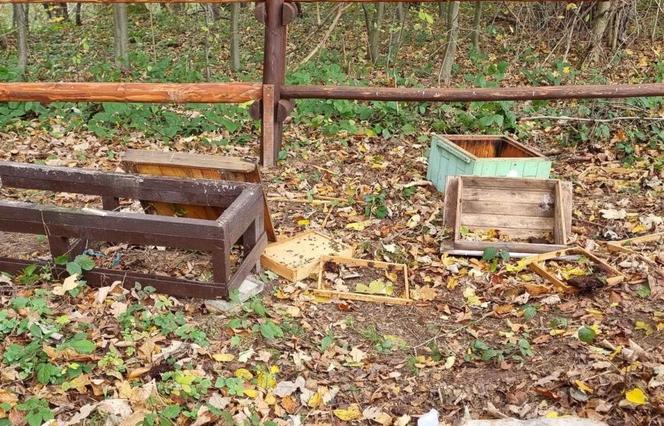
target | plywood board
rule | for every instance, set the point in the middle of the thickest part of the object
(298, 257)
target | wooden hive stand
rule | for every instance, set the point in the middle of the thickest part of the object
(194, 166)
(242, 218)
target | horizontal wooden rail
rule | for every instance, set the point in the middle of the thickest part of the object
(180, 93)
(473, 94)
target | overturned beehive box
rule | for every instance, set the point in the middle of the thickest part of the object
(480, 155)
(513, 214)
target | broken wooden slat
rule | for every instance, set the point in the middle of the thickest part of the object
(536, 263)
(624, 245)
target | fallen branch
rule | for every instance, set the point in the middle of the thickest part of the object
(594, 120)
(326, 35)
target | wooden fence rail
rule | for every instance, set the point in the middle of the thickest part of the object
(473, 94)
(131, 92)
(273, 97)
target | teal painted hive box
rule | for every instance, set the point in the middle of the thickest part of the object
(480, 155)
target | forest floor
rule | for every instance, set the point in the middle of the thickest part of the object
(489, 343)
(485, 339)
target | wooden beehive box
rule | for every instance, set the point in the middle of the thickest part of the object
(480, 155)
(526, 215)
(298, 257)
(197, 166)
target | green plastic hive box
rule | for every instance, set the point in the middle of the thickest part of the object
(480, 155)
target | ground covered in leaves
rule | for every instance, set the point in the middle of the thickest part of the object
(484, 337)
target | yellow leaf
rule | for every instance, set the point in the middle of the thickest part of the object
(636, 396)
(251, 393)
(570, 6)
(266, 380)
(243, 373)
(315, 400)
(359, 226)
(270, 399)
(552, 415)
(583, 387)
(471, 298)
(452, 282)
(349, 414)
(642, 325)
(223, 357)
(303, 222)
(638, 228)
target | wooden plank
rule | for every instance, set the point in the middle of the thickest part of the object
(105, 277)
(472, 94)
(508, 183)
(567, 204)
(545, 198)
(268, 131)
(624, 245)
(189, 160)
(179, 93)
(507, 208)
(459, 208)
(514, 222)
(508, 246)
(298, 257)
(333, 294)
(559, 227)
(541, 271)
(450, 202)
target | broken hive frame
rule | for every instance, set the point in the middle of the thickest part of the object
(197, 166)
(515, 207)
(242, 218)
(298, 257)
(624, 246)
(536, 264)
(339, 260)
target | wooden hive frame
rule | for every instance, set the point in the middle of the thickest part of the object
(340, 260)
(520, 208)
(242, 218)
(536, 264)
(623, 246)
(197, 166)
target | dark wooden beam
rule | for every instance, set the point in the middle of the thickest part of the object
(473, 94)
(179, 93)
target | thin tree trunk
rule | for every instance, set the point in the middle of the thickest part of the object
(477, 17)
(395, 42)
(452, 38)
(599, 27)
(120, 26)
(235, 36)
(79, 20)
(21, 14)
(374, 22)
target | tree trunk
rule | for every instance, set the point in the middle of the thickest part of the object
(21, 14)
(477, 17)
(452, 38)
(235, 36)
(120, 27)
(599, 28)
(79, 21)
(374, 22)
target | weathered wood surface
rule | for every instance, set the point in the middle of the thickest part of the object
(242, 217)
(180, 93)
(473, 94)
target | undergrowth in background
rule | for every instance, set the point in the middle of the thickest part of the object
(188, 47)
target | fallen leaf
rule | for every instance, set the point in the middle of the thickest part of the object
(349, 414)
(636, 396)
